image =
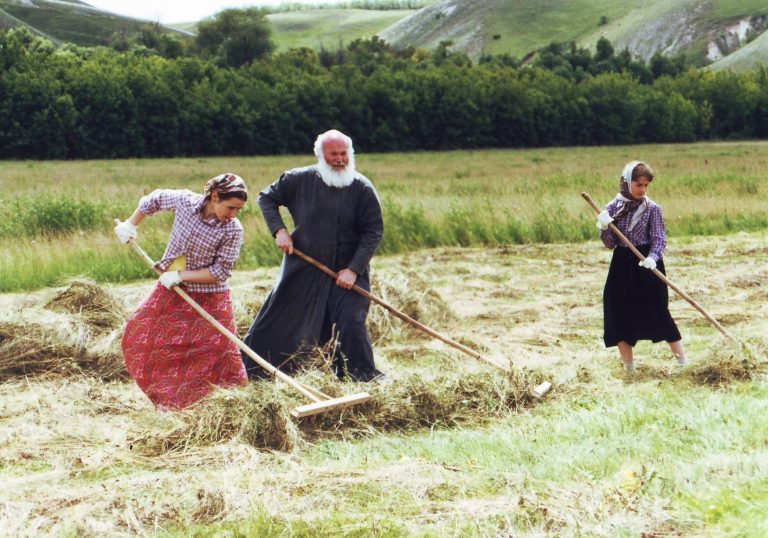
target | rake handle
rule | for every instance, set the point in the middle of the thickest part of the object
(331, 273)
(312, 394)
(658, 273)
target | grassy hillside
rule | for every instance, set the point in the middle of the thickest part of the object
(70, 21)
(323, 28)
(519, 27)
(752, 55)
(328, 28)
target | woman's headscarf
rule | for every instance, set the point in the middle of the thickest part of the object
(625, 196)
(225, 184)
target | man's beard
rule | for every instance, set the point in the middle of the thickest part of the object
(332, 178)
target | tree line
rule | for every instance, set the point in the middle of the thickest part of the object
(71, 102)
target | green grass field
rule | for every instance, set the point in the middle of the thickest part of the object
(485, 247)
(59, 224)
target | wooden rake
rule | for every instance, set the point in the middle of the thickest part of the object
(320, 402)
(659, 274)
(461, 347)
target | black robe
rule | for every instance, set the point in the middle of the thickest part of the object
(340, 227)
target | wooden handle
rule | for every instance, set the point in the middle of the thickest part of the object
(658, 273)
(311, 394)
(325, 269)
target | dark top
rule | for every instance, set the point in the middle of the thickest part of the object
(340, 227)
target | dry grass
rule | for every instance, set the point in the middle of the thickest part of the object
(87, 456)
(260, 414)
(89, 302)
(58, 348)
(729, 362)
(410, 294)
(84, 339)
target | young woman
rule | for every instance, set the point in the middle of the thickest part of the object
(173, 354)
(635, 301)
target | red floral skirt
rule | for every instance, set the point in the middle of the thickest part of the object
(174, 355)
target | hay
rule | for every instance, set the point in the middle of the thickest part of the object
(728, 362)
(59, 348)
(414, 403)
(259, 415)
(83, 339)
(90, 302)
(410, 294)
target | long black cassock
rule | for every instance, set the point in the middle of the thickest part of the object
(340, 227)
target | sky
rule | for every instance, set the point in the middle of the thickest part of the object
(170, 11)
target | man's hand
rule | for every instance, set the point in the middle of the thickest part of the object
(346, 279)
(648, 263)
(170, 279)
(126, 231)
(284, 241)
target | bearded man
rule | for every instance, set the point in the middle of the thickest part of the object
(337, 220)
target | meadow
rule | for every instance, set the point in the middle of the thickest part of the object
(450, 447)
(57, 216)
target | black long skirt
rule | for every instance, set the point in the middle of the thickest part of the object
(636, 302)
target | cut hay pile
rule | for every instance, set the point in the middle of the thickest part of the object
(91, 303)
(59, 348)
(407, 292)
(728, 362)
(84, 341)
(260, 414)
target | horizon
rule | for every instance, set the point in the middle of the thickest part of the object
(178, 11)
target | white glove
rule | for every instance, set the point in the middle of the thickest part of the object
(170, 279)
(126, 231)
(648, 263)
(603, 220)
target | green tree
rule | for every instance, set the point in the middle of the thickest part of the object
(235, 37)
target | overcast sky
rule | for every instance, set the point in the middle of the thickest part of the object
(169, 11)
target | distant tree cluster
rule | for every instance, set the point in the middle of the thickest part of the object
(577, 63)
(75, 102)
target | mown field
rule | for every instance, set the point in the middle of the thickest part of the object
(450, 447)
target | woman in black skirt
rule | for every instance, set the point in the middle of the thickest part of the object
(635, 301)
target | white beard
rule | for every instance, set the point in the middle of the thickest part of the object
(332, 178)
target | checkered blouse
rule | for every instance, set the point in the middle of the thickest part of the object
(649, 230)
(207, 243)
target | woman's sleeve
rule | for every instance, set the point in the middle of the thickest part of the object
(160, 200)
(607, 236)
(657, 233)
(226, 256)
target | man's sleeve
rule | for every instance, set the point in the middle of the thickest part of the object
(279, 193)
(371, 230)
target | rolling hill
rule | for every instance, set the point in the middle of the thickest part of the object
(726, 34)
(327, 28)
(66, 20)
(705, 29)
(751, 56)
